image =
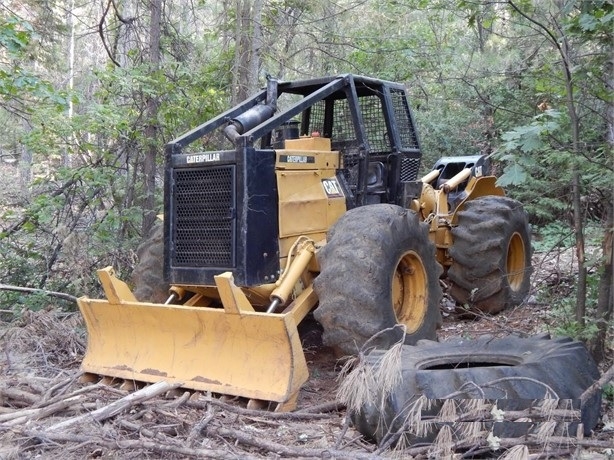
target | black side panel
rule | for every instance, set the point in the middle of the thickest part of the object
(219, 221)
(258, 247)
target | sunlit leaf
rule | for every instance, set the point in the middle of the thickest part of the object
(513, 174)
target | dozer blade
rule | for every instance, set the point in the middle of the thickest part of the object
(234, 350)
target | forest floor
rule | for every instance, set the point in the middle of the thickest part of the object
(47, 412)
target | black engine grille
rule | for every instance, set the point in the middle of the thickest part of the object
(204, 207)
(409, 168)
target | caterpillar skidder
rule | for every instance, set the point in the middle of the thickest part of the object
(304, 197)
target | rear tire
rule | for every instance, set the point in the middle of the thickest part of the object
(378, 269)
(148, 275)
(491, 254)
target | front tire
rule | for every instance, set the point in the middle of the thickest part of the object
(491, 254)
(378, 270)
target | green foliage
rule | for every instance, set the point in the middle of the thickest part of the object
(530, 139)
(479, 82)
(87, 216)
(535, 170)
(595, 21)
(15, 35)
(16, 81)
(553, 235)
(563, 309)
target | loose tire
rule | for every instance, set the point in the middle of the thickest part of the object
(148, 275)
(491, 254)
(507, 369)
(378, 269)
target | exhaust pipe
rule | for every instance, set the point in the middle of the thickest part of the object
(255, 115)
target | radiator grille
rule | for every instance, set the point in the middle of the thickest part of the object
(204, 204)
(409, 168)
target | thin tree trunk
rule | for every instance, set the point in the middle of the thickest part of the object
(66, 156)
(243, 36)
(562, 46)
(25, 167)
(256, 47)
(578, 218)
(149, 165)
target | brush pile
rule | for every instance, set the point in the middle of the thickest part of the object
(49, 410)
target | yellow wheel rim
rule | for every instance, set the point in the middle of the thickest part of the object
(410, 291)
(515, 261)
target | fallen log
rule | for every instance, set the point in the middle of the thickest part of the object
(25, 415)
(605, 378)
(23, 398)
(118, 406)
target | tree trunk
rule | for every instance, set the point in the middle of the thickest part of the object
(605, 299)
(66, 155)
(256, 48)
(25, 166)
(248, 45)
(149, 164)
(242, 58)
(578, 218)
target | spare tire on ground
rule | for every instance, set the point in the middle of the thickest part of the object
(512, 372)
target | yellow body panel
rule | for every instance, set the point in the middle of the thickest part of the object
(304, 208)
(308, 143)
(233, 350)
(310, 198)
(477, 187)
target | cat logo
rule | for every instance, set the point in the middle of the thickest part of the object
(332, 188)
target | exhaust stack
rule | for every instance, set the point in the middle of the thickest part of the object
(255, 115)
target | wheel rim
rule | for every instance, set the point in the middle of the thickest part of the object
(515, 261)
(410, 291)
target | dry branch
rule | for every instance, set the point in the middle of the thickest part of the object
(330, 406)
(22, 397)
(153, 432)
(300, 415)
(59, 295)
(123, 446)
(559, 415)
(198, 428)
(280, 449)
(118, 406)
(61, 386)
(87, 389)
(605, 378)
(504, 443)
(25, 415)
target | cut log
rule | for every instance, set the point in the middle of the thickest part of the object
(118, 406)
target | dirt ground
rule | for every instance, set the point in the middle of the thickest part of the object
(47, 412)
